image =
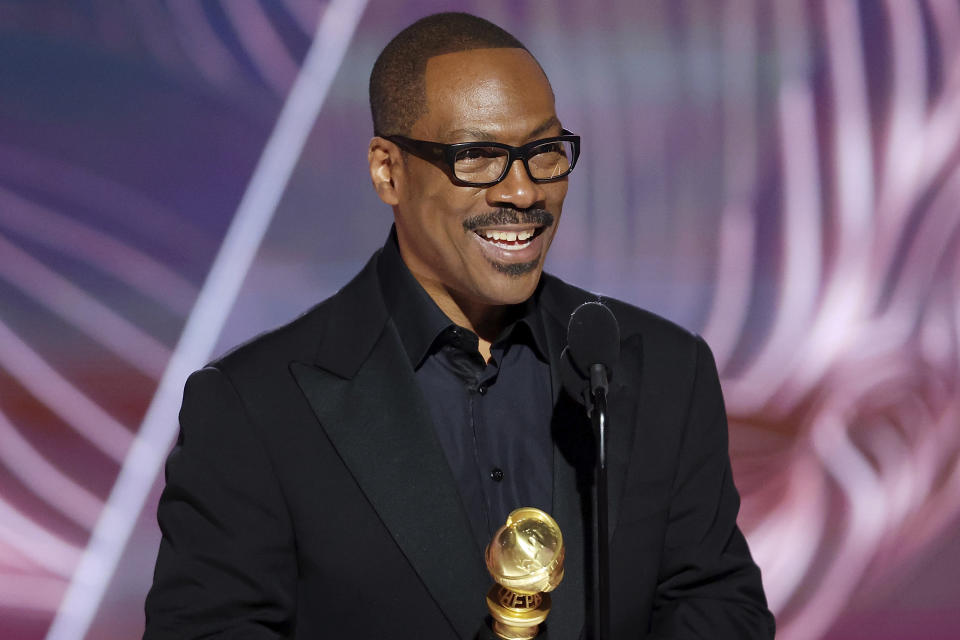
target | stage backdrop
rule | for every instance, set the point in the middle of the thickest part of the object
(782, 177)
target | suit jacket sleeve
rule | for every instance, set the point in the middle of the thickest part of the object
(226, 564)
(708, 587)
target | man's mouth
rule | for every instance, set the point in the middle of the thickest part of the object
(510, 239)
(510, 229)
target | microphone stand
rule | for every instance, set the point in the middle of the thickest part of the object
(598, 416)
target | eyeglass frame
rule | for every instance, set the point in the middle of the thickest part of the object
(436, 151)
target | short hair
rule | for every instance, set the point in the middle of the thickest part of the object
(398, 95)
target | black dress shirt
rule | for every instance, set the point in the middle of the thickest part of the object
(492, 418)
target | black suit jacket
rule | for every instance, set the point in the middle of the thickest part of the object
(308, 496)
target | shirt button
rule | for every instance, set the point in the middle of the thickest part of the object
(482, 389)
(496, 474)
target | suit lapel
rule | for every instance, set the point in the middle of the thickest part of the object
(570, 494)
(382, 430)
(622, 408)
(362, 389)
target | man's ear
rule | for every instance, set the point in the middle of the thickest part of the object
(384, 157)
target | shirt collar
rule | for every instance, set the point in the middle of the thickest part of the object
(419, 320)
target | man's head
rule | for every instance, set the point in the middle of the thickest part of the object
(453, 78)
(397, 92)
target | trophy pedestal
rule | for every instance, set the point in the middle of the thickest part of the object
(517, 616)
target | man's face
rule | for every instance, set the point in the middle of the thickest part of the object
(447, 233)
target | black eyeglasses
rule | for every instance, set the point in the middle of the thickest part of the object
(483, 164)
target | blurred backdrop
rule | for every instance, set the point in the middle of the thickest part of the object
(781, 176)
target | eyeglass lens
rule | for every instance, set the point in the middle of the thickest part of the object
(486, 164)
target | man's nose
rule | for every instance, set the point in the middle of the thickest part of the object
(517, 188)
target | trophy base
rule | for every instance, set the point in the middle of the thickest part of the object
(516, 616)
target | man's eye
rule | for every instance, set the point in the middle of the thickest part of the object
(550, 149)
(479, 153)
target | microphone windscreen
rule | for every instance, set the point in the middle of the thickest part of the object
(593, 336)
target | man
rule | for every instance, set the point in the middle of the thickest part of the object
(339, 477)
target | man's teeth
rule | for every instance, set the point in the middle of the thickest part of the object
(508, 236)
(517, 239)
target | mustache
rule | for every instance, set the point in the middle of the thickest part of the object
(509, 215)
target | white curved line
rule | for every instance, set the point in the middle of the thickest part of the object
(806, 500)
(262, 43)
(71, 303)
(902, 151)
(852, 140)
(36, 543)
(867, 510)
(924, 255)
(100, 198)
(939, 512)
(28, 465)
(942, 130)
(733, 276)
(159, 427)
(67, 402)
(848, 296)
(111, 256)
(202, 43)
(946, 25)
(30, 592)
(800, 241)
(305, 12)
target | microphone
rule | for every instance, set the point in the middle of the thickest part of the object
(593, 348)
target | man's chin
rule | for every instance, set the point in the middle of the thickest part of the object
(516, 269)
(516, 285)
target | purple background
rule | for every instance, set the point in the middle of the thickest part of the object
(780, 177)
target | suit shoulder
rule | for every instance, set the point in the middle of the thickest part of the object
(352, 314)
(296, 339)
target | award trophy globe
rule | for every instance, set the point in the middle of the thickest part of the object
(525, 559)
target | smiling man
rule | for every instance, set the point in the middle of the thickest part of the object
(340, 476)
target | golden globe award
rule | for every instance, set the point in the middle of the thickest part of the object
(525, 559)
